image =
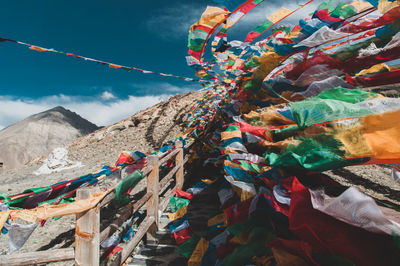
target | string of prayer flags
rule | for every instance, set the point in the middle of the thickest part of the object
(111, 65)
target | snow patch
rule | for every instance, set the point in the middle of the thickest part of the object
(57, 161)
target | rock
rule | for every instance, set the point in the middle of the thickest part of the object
(135, 120)
(116, 127)
(99, 135)
(57, 161)
(146, 117)
(128, 124)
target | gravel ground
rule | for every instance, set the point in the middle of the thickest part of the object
(374, 180)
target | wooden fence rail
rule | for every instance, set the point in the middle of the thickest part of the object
(87, 227)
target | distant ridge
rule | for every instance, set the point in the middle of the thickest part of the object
(40, 133)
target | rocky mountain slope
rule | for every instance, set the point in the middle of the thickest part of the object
(39, 134)
(144, 131)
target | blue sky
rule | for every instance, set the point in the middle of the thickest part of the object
(150, 35)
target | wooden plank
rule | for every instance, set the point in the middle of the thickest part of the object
(141, 202)
(152, 204)
(146, 170)
(143, 228)
(179, 176)
(87, 235)
(167, 178)
(37, 257)
(187, 156)
(124, 216)
(107, 199)
(114, 225)
(168, 156)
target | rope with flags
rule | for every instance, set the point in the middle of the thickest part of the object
(111, 65)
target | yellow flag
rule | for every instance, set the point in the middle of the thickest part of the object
(37, 48)
(386, 5)
(382, 133)
(3, 218)
(231, 134)
(360, 5)
(114, 66)
(280, 14)
(198, 253)
(374, 69)
(211, 17)
(178, 214)
(220, 218)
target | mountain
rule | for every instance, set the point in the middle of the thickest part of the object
(39, 134)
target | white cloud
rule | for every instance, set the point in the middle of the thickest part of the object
(166, 87)
(102, 109)
(107, 96)
(101, 113)
(107, 113)
(12, 111)
(174, 22)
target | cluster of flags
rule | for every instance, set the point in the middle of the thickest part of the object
(298, 104)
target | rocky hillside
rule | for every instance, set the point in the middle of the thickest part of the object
(144, 131)
(39, 134)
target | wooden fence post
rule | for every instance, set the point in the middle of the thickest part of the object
(87, 232)
(152, 204)
(179, 161)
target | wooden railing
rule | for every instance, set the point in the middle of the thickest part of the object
(87, 227)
